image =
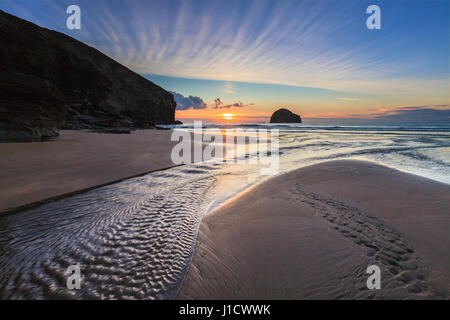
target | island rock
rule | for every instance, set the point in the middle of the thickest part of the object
(285, 116)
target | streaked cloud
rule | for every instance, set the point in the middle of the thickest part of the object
(416, 114)
(228, 88)
(347, 99)
(279, 45)
(323, 44)
(399, 114)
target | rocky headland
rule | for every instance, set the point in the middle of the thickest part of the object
(50, 81)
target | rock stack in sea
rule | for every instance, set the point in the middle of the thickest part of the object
(285, 116)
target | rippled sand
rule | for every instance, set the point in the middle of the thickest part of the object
(132, 240)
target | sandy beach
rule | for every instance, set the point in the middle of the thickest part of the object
(77, 160)
(312, 233)
(310, 157)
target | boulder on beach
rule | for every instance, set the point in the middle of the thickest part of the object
(285, 116)
(59, 82)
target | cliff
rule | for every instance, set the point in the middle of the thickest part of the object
(49, 80)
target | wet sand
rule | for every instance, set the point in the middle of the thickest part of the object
(312, 233)
(77, 160)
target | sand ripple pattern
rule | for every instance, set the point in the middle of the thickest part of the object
(402, 272)
(132, 240)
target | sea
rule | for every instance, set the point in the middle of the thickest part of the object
(135, 239)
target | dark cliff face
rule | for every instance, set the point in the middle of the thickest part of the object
(285, 116)
(96, 91)
(30, 108)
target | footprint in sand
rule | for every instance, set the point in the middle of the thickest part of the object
(401, 268)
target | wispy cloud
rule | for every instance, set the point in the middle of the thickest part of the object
(399, 114)
(347, 99)
(323, 44)
(228, 88)
(417, 114)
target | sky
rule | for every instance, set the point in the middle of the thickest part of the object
(240, 60)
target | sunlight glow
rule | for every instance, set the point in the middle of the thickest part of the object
(228, 116)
